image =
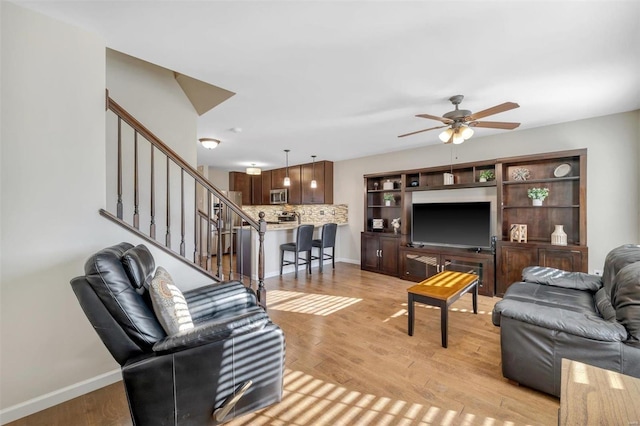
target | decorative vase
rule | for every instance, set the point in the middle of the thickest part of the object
(387, 184)
(482, 179)
(559, 237)
(536, 202)
(387, 203)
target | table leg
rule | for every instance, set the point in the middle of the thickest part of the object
(475, 298)
(411, 313)
(444, 316)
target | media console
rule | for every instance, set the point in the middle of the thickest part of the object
(420, 263)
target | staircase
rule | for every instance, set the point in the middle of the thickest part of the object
(164, 200)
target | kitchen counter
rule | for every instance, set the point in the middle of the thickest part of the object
(282, 233)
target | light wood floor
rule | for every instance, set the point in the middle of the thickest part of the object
(350, 361)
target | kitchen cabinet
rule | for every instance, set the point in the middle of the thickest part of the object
(379, 252)
(249, 185)
(266, 187)
(241, 182)
(323, 193)
(418, 264)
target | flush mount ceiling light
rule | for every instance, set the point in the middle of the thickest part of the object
(209, 143)
(314, 184)
(253, 170)
(287, 181)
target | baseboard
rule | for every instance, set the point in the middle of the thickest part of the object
(59, 396)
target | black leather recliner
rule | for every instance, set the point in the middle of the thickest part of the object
(230, 363)
(554, 314)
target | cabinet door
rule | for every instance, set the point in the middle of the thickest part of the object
(294, 190)
(389, 255)
(266, 187)
(418, 266)
(241, 182)
(256, 190)
(277, 178)
(512, 261)
(312, 195)
(369, 252)
(567, 260)
(483, 267)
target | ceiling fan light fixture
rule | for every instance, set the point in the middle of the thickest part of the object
(467, 132)
(446, 135)
(209, 143)
(457, 137)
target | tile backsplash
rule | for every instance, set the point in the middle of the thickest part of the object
(310, 213)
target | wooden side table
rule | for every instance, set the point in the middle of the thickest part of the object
(442, 290)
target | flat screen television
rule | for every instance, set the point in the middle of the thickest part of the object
(465, 224)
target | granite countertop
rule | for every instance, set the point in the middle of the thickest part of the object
(294, 225)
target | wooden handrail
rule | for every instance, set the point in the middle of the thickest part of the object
(154, 140)
(205, 222)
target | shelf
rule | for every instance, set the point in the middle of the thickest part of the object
(546, 180)
(573, 206)
(375, 191)
(452, 186)
(383, 206)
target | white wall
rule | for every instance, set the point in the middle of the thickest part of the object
(52, 185)
(613, 189)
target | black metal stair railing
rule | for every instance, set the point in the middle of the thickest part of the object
(187, 216)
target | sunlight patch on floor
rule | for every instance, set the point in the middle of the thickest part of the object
(305, 303)
(310, 401)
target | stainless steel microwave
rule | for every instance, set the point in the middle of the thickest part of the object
(278, 196)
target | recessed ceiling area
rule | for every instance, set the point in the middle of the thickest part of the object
(342, 79)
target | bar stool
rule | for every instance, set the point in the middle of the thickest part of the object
(304, 235)
(327, 240)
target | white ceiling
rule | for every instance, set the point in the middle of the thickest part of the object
(341, 79)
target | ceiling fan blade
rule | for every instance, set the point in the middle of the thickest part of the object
(435, 117)
(420, 131)
(494, 124)
(493, 110)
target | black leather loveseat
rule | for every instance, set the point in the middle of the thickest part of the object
(196, 376)
(555, 314)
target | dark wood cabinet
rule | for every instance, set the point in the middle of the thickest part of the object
(514, 257)
(293, 191)
(241, 182)
(323, 173)
(564, 174)
(266, 187)
(418, 264)
(380, 252)
(256, 189)
(251, 187)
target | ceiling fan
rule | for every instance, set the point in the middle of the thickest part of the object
(461, 121)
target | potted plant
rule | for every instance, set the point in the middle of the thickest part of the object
(388, 198)
(487, 175)
(537, 195)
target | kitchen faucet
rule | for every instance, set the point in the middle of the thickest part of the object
(296, 214)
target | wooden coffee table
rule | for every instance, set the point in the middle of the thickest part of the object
(442, 290)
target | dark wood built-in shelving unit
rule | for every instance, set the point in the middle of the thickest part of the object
(566, 205)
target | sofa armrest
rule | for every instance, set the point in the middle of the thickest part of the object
(576, 323)
(215, 299)
(244, 321)
(559, 278)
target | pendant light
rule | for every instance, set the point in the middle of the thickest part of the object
(314, 184)
(287, 181)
